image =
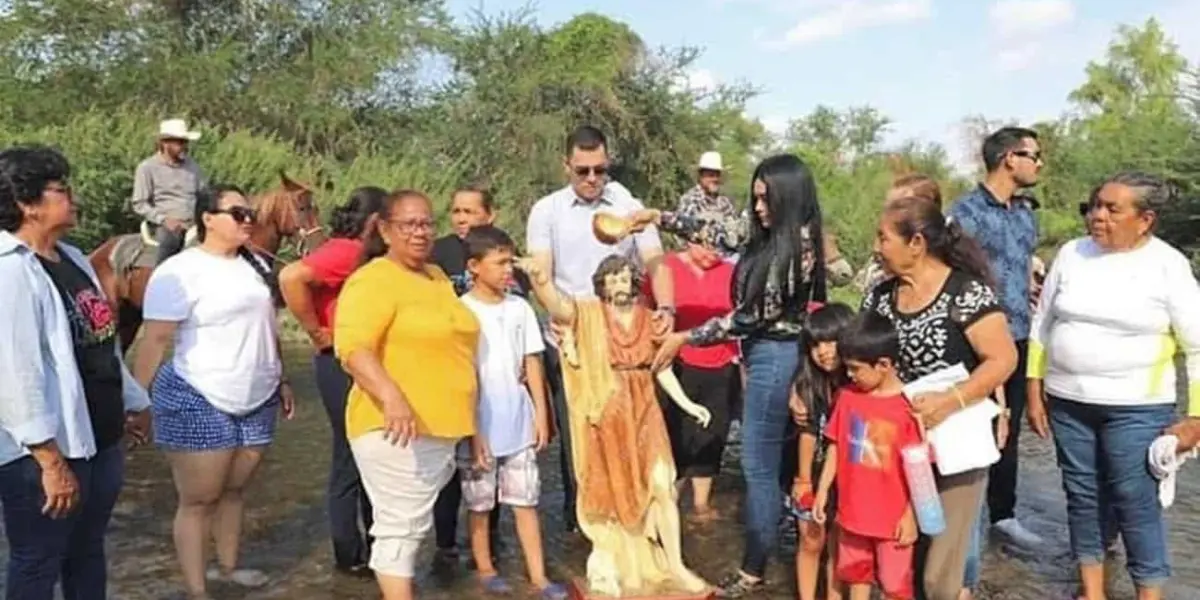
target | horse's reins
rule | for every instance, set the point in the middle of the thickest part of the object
(301, 237)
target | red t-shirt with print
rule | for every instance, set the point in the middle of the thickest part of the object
(870, 431)
(331, 264)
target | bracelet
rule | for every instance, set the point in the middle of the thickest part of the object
(958, 395)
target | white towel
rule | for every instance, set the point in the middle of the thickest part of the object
(966, 440)
(1165, 461)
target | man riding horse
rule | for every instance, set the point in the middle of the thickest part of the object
(165, 187)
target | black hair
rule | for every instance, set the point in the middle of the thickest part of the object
(25, 171)
(870, 338)
(944, 239)
(350, 219)
(375, 246)
(208, 201)
(779, 252)
(482, 239)
(485, 195)
(586, 137)
(812, 385)
(611, 265)
(1002, 141)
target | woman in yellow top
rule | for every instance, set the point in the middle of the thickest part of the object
(409, 345)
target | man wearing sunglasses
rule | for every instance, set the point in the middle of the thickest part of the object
(559, 238)
(998, 213)
(165, 187)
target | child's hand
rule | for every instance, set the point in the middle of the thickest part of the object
(818, 508)
(802, 493)
(541, 431)
(481, 455)
(906, 529)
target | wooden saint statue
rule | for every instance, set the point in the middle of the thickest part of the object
(622, 455)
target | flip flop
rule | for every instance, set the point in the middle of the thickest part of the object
(251, 578)
(554, 591)
(495, 584)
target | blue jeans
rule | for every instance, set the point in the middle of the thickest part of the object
(43, 549)
(770, 366)
(974, 553)
(1102, 455)
(350, 512)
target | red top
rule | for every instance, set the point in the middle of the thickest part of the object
(869, 431)
(331, 263)
(700, 296)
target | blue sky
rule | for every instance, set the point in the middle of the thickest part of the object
(927, 64)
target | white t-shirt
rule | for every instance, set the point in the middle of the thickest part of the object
(225, 346)
(509, 332)
(1111, 322)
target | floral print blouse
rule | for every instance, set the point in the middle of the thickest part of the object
(772, 319)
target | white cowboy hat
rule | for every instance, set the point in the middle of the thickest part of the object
(710, 161)
(176, 129)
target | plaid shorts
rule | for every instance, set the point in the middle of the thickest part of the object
(515, 478)
(185, 421)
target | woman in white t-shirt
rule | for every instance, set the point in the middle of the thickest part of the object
(215, 401)
(1115, 308)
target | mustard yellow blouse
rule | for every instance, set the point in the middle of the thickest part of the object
(424, 336)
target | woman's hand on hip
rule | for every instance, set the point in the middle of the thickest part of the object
(1035, 409)
(399, 424)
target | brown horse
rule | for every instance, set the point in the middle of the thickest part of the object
(124, 263)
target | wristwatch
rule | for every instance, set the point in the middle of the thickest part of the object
(667, 308)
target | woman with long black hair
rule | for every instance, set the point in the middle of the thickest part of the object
(310, 288)
(781, 269)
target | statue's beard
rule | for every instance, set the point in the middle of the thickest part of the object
(620, 299)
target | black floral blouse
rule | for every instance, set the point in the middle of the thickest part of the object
(773, 319)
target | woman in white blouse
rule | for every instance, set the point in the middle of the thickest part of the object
(1116, 307)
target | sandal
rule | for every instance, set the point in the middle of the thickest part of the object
(495, 585)
(251, 578)
(554, 591)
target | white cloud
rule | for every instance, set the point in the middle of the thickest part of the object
(837, 20)
(1010, 60)
(1016, 18)
(698, 80)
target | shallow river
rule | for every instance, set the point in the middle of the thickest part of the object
(286, 534)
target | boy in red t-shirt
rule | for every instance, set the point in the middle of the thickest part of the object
(870, 424)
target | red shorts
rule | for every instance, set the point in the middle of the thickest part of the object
(869, 560)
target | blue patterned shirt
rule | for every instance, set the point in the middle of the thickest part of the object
(1008, 235)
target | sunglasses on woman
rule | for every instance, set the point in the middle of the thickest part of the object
(241, 214)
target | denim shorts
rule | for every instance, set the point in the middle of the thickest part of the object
(185, 421)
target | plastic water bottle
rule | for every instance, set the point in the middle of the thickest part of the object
(922, 489)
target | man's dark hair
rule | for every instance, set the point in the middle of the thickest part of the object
(1001, 142)
(482, 239)
(869, 338)
(485, 194)
(586, 137)
(612, 265)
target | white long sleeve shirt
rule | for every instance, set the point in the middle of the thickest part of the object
(1109, 324)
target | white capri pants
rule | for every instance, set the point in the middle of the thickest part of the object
(402, 483)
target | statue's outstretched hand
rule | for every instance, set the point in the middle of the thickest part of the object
(701, 414)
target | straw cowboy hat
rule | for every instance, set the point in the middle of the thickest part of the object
(176, 129)
(710, 161)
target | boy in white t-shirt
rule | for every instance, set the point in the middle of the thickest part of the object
(513, 414)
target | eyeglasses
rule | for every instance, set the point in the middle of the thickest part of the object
(1034, 156)
(241, 214)
(412, 226)
(597, 170)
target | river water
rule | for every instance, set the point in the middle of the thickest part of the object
(285, 533)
